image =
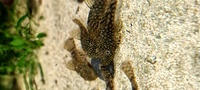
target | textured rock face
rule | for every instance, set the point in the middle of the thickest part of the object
(160, 38)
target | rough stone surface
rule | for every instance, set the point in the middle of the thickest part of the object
(161, 38)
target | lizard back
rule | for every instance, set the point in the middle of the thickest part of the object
(101, 28)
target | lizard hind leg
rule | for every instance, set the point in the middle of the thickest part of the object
(128, 70)
(79, 61)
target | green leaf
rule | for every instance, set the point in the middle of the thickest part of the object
(39, 43)
(17, 42)
(7, 35)
(21, 62)
(20, 21)
(41, 35)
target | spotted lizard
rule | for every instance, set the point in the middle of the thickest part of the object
(101, 38)
(88, 71)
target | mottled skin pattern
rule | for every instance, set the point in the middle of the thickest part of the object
(102, 37)
(79, 62)
(98, 39)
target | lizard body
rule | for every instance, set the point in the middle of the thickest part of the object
(98, 39)
(101, 38)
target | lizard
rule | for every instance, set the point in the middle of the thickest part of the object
(101, 38)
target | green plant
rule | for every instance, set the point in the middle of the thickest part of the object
(18, 45)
